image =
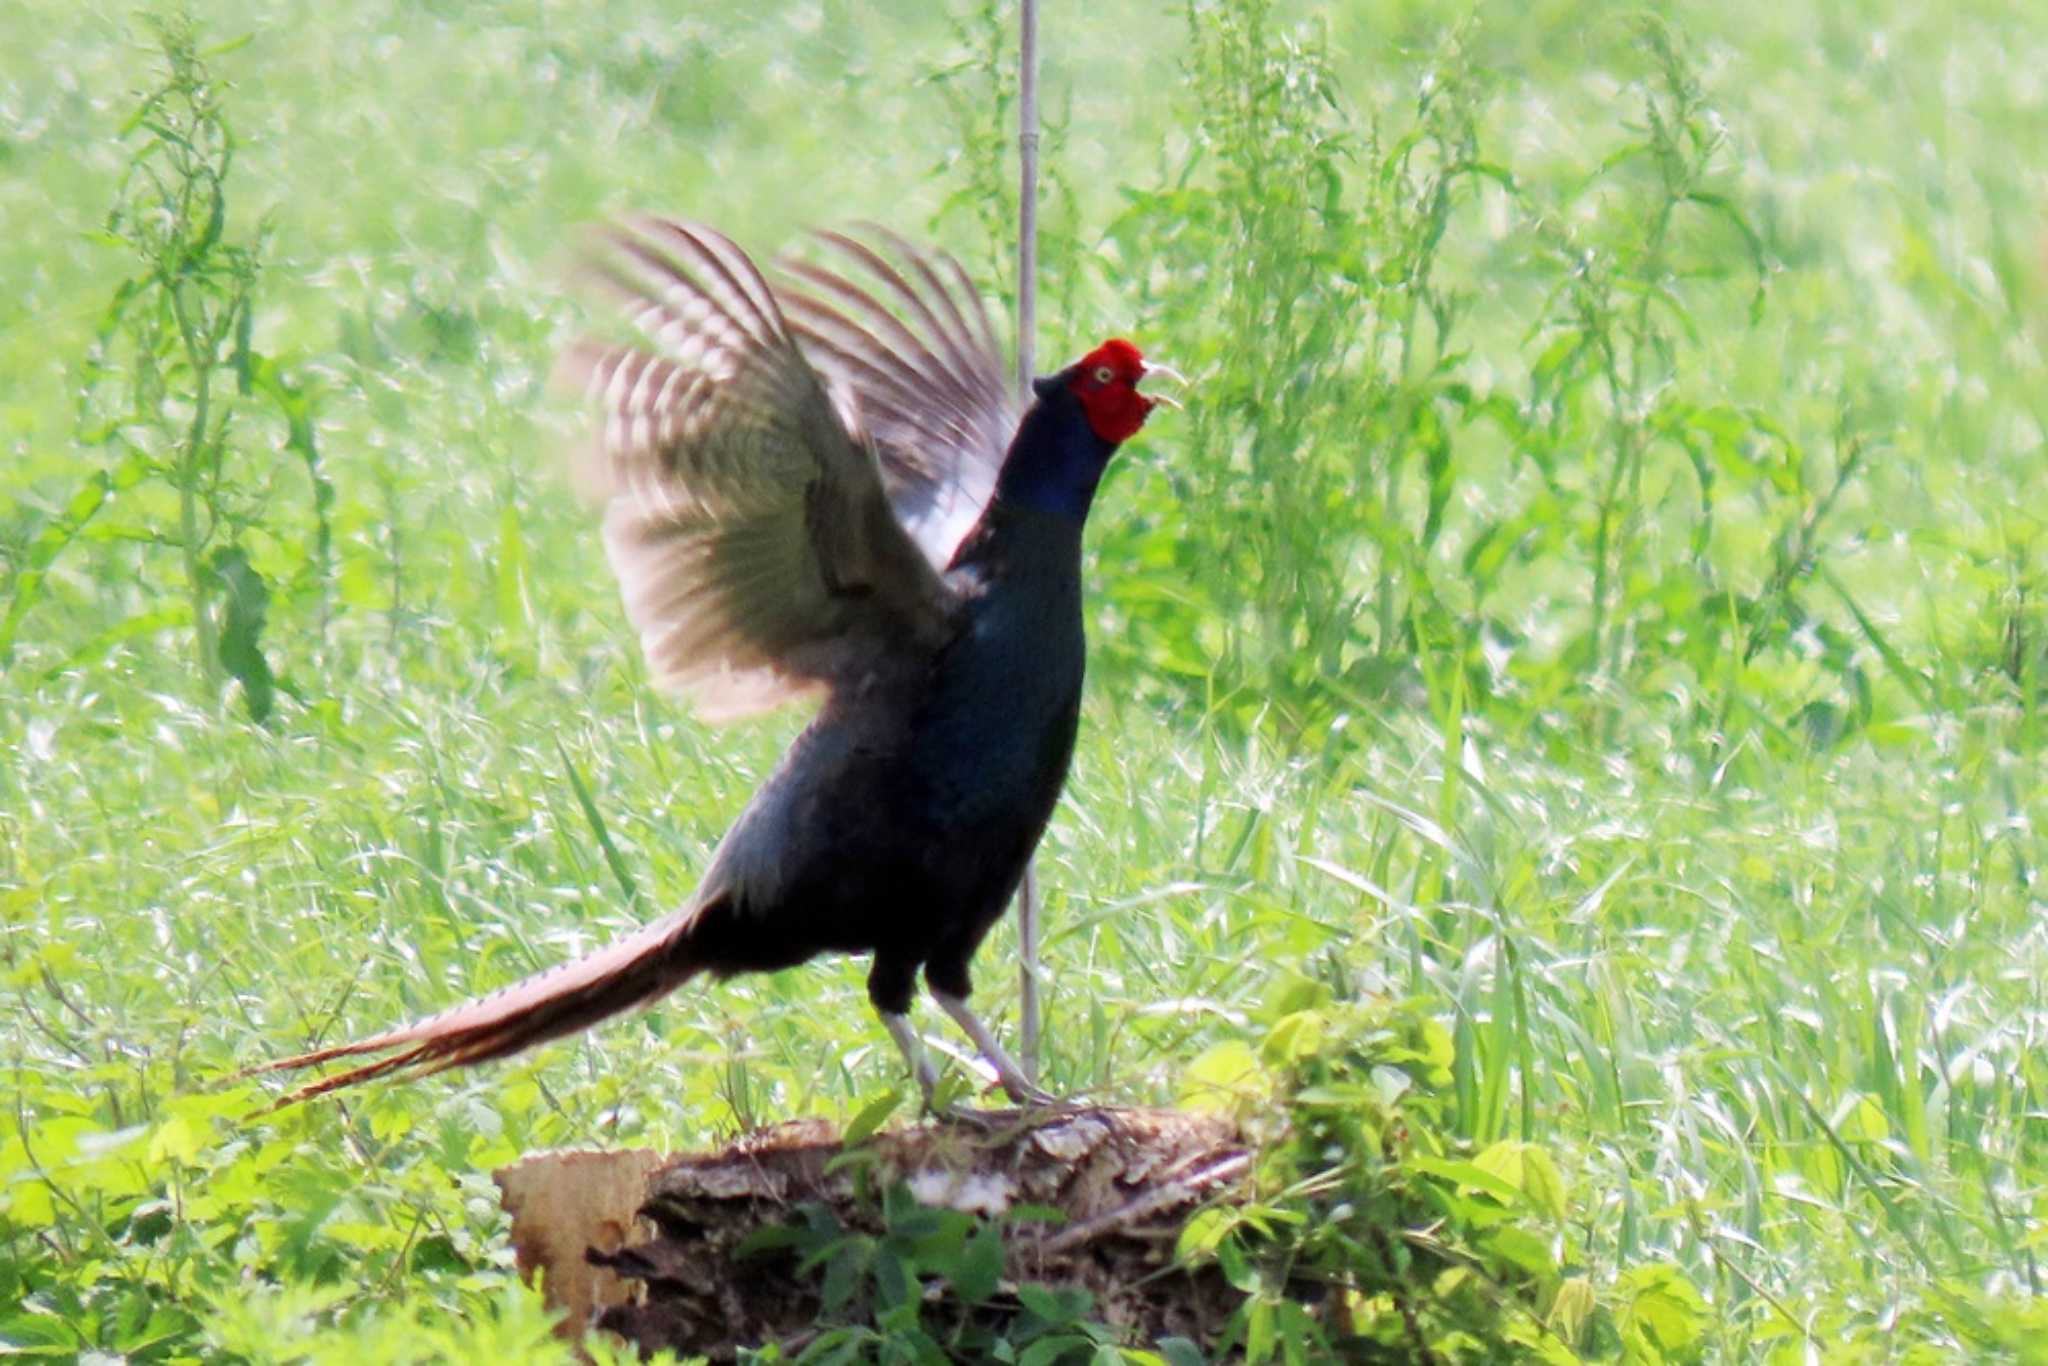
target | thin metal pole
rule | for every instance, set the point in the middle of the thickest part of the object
(1027, 202)
(1027, 333)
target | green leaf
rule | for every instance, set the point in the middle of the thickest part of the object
(1530, 1170)
(1261, 1331)
(1861, 1121)
(180, 1139)
(1520, 1248)
(1056, 1308)
(1662, 1313)
(296, 403)
(980, 1267)
(769, 1238)
(871, 1118)
(1048, 1350)
(1572, 1308)
(844, 1271)
(1221, 1078)
(598, 830)
(1298, 1035)
(895, 1286)
(1236, 1267)
(1466, 1174)
(43, 550)
(245, 604)
(1041, 1302)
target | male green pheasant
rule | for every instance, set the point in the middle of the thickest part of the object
(824, 488)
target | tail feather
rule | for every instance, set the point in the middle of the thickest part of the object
(651, 962)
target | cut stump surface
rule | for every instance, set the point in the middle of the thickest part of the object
(650, 1248)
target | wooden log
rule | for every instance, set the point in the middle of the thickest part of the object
(651, 1250)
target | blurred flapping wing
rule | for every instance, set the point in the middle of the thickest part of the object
(750, 529)
(913, 361)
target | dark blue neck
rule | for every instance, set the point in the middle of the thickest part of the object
(1056, 459)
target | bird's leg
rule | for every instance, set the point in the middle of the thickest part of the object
(905, 1034)
(1007, 1072)
(892, 983)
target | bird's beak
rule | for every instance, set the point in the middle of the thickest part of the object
(1153, 367)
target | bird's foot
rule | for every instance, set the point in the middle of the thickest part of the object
(1022, 1089)
(1030, 1098)
(905, 1034)
(967, 1117)
(1004, 1119)
(956, 1104)
(1019, 1087)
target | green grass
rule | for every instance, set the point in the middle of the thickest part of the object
(1595, 594)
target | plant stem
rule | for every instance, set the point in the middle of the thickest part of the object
(1027, 328)
(190, 540)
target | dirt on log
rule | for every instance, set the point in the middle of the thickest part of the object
(650, 1248)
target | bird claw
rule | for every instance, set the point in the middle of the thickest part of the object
(1009, 1075)
(1028, 1103)
(1015, 1117)
(986, 1121)
(1020, 1089)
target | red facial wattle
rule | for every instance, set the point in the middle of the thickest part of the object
(1106, 382)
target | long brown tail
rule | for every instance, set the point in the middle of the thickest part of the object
(650, 962)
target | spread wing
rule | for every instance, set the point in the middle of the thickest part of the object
(750, 528)
(912, 358)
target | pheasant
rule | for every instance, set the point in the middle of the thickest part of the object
(824, 488)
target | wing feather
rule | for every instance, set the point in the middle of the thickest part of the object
(904, 339)
(751, 530)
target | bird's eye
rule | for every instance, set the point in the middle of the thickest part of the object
(1103, 374)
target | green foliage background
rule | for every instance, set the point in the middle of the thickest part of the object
(1567, 692)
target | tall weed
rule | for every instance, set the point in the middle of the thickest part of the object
(175, 376)
(1383, 485)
